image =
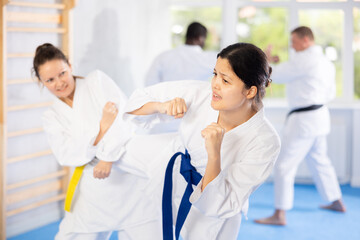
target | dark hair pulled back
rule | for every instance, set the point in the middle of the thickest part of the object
(250, 64)
(44, 53)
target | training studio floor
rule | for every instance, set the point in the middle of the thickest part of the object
(306, 221)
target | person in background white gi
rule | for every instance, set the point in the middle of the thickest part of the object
(187, 61)
(310, 79)
(224, 136)
(83, 128)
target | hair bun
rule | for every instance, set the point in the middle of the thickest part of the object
(43, 46)
(267, 82)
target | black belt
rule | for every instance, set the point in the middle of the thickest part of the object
(304, 109)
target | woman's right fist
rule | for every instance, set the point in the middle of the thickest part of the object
(176, 107)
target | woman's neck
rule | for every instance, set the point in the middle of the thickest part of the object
(232, 119)
(68, 100)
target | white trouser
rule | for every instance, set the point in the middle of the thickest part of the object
(148, 231)
(294, 149)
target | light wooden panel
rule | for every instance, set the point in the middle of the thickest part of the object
(29, 156)
(36, 30)
(30, 193)
(3, 137)
(36, 180)
(33, 17)
(20, 81)
(25, 132)
(36, 205)
(29, 106)
(20, 55)
(37, 5)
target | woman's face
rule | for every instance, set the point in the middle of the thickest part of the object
(229, 92)
(56, 75)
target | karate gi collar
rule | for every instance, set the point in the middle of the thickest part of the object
(249, 125)
(60, 105)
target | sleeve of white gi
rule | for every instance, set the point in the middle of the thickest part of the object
(161, 92)
(112, 146)
(226, 195)
(293, 69)
(71, 147)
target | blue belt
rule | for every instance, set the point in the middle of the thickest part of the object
(191, 177)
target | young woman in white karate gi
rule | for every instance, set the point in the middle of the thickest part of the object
(226, 146)
(83, 128)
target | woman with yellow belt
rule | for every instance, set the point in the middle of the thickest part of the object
(84, 129)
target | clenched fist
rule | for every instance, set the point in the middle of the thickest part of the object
(102, 169)
(175, 107)
(213, 135)
(110, 112)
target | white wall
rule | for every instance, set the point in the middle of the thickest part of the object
(355, 163)
(119, 37)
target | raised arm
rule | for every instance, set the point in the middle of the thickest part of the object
(175, 107)
(162, 102)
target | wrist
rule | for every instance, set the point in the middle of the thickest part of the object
(214, 157)
(105, 162)
(159, 106)
(103, 128)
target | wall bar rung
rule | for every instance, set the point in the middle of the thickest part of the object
(33, 17)
(20, 81)
(25, 132)
(20, 55)
(37, 5)
(29, 156)
(35, 205)
(33, 192)
(38, 179)
(29, 106)
(38, 30)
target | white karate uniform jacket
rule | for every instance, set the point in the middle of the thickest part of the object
(310, 79)
(118, 201)
(183, 62)
(248, 153)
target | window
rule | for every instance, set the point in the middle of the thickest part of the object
(356, 49)
(327, 26)
(262, 27)
(264, 22)
(210, 17)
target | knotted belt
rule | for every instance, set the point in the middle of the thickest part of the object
(72, 187)
(304, 109)
(191, 176)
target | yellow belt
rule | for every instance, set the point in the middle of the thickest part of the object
(72, 186)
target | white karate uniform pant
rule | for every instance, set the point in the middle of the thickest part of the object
(147, 231)
(293, 150)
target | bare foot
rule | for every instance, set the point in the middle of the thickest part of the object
(337, 206)
(278, 218)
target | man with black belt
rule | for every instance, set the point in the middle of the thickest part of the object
(310, 80)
